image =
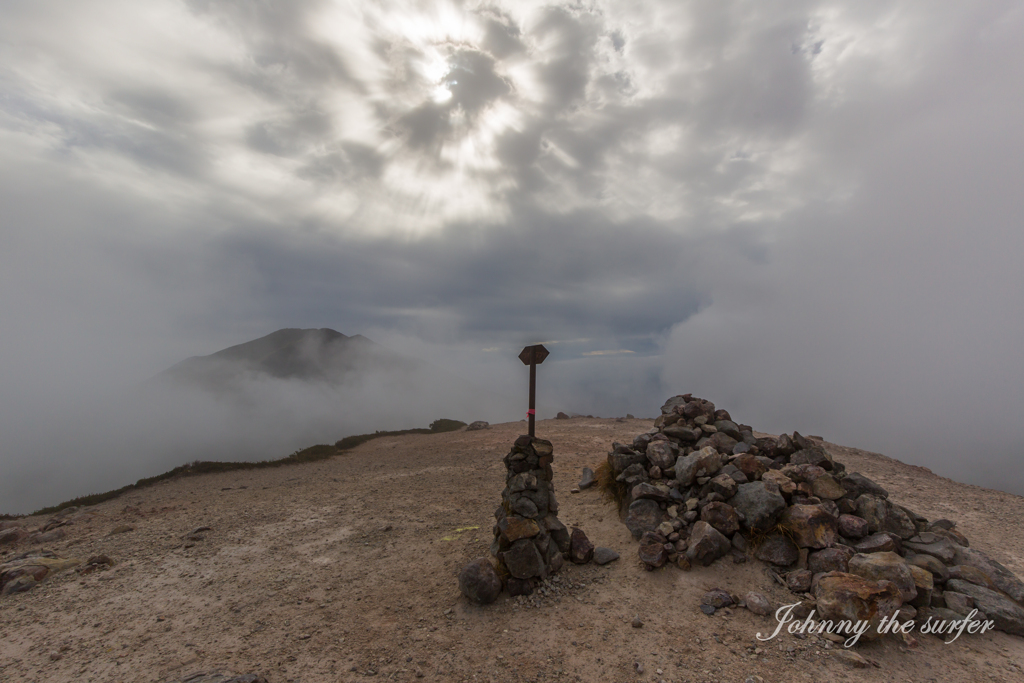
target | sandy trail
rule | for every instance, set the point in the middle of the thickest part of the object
(340, 571)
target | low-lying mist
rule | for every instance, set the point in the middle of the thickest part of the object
(74, 445)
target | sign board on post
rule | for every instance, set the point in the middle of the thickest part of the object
(533, 356)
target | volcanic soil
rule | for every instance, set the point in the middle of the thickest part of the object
(346, 570)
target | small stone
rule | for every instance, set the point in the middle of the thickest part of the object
(851, 658)
(757, 603)
(604, 555)
(707, 609)
(799, 581)
(717, 598)
(587, 479)
(581, 550)
(637, 623)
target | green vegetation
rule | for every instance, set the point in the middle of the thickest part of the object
(311, 454)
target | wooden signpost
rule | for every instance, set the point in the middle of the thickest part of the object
(533, 356)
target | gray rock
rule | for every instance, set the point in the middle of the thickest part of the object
(477, 425)
(728, 427)
(799, 581)
(815, 455)
(1000, 575)
(885, 566)
(706, 544)
(643, 515)
(851, 526)
(523, 560)
(581, 550)
(930, 564)
(942, 549)
(479, 582)
(835, 559)
(724, 485)
(703, 463)
(652, 550)
(853, 598)
(662, 453)
(877, 543)
(778, 550)
(958, 602)
(559, 534)
(1007, 615)
(717, 598)
(758, 506)
(722, 517)
(620, 461)
(604, 555)
(524, 507)
(587, 479)
(856, 484)
(811, 525)
(645, 490)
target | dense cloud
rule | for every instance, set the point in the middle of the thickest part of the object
(804, 211)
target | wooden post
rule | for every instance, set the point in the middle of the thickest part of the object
(533, 356)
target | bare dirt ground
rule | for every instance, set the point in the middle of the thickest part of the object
(345, 569)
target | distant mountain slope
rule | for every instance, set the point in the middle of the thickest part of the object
(309, 355)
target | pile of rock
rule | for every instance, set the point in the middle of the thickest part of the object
(530, 543)
(699, 486)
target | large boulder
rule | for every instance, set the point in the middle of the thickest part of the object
(706, 544)
(811, 526)
(479, 581)
(839, 596)
(1000, 575)
(888, 567)
(759, 506)
(1007, 615)
(643, 515)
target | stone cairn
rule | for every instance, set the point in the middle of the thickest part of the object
(530, 543)
(699, 487)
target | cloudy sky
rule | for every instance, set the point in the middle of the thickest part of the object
(808, 212)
